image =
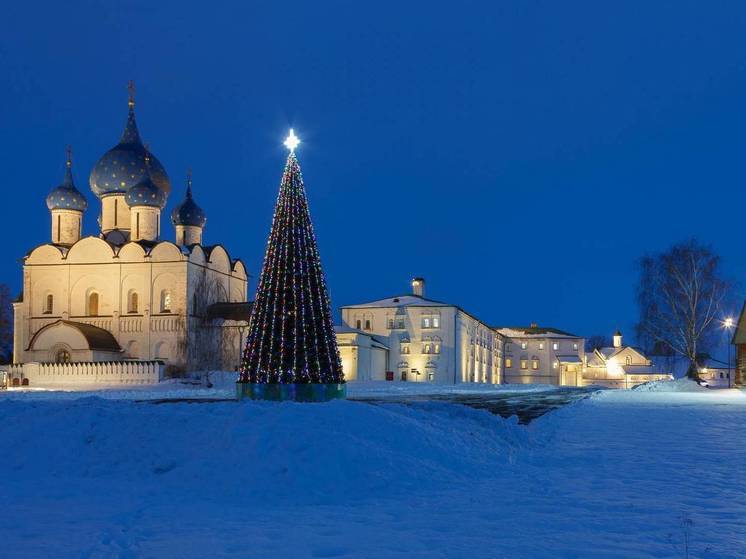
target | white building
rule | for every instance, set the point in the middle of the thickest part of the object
(428, 341)
(540, 355)
(125, 293)
(364, 356)
(620, 366)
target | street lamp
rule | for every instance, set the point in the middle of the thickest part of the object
(728, 325)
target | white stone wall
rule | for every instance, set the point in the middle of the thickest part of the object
(188, 235)
(76, 375)
(362, 359)
(115, 213)
(145, 223)
(469, 350)
(550, 369)
(66, 226)
(114, 274)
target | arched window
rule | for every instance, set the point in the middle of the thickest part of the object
(436, 344)
(628, 360)
(49, 304)
(133, 302)
(62, 356)
(92, 304)
(166, 300)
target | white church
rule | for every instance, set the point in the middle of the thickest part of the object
(121, 305)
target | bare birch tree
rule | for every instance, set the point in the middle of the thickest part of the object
(681, 295)
(202, 342)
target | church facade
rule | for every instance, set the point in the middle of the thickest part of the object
(127, 292)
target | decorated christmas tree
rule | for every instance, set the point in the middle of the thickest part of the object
(291, 349)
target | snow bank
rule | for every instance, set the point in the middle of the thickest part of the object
(245, 451)
(620, 474)
(678, 385)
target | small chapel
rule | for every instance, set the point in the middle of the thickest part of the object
(133, 291)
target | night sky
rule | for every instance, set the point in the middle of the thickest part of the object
(521, 156)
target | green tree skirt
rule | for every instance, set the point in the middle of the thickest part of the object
(291, 392)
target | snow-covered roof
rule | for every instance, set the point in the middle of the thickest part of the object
(399, 301)
(593, 360)
(533, 332)
(569, 358)
(344, 329)
(608, 352)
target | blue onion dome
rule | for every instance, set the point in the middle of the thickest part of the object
(145, 193)
(123, 166)
(188, 212)
(66, 196)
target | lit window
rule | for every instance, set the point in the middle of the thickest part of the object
(555, 346)
(436, 322)
(575, 346)
(524, 364)
(524, 345)
(436, 347)
(49, 304)
(541, 345)
(404, 348)
(165, 301)
(426, 348)
(133, 302)
(92, 304)
(508, 363)
(426, 322)
(555, 365)
(535, 364)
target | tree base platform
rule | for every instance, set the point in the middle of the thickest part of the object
(291, 392)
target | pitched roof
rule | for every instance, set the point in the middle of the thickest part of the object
(344, 329)
(400, 301)
(533, 331)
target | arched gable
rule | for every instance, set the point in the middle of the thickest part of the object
(197, 255)
(132, 252)
(90, 250)
(166, 251)
(219, 259)
(45, 254)
(239, 270)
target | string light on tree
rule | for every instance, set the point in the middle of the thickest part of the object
(291, 349)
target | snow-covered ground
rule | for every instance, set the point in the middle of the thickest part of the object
(224, 387)
(621, 474)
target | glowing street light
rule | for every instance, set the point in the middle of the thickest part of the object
(728, 323)
(292, 141)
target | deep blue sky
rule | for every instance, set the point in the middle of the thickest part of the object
(519, 155)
